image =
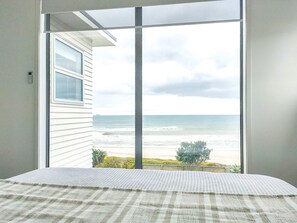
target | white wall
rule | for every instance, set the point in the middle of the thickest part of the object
(272, 88)
(18, 113)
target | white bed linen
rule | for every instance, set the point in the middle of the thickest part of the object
(186, 181)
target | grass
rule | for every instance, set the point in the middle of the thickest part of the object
(174, 162)
(128, 162)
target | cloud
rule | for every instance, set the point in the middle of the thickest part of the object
(180, 62)
(208, 89)
(165, 105)
(176, 105)
(207, 79)
(113, 104)
(193, 43)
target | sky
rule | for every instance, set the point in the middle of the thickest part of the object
(187, 70)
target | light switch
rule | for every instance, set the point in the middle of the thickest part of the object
(30, 77)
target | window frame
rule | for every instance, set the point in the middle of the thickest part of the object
(138, 79)
(57, 69)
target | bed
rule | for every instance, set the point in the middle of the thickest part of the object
(119, 195)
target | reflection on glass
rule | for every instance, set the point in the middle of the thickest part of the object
(68, 58)
(191, 12)
(196, 12)
(68, 88)
(110, 18)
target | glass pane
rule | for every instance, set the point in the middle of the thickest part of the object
(191, 12)
(191, 88)
(113, 105)
(197, 12)
(67, 57)
(110, 18)
(68, 88)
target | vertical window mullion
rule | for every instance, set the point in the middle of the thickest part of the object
(48, 92)
(241, 90)
(138, 88)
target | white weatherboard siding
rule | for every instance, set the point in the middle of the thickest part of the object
(71, 125)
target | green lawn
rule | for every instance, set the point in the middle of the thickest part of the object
(128, 162)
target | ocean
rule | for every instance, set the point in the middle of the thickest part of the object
(162, 135)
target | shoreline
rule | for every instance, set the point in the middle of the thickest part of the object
(228, 157)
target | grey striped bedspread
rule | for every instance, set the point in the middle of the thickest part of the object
(25, 202)
(185, 181)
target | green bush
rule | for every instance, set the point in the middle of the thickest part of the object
(129, 163)
(117, 162)
(156, 161)
(193, 152)
(235, 169)
(98, 156)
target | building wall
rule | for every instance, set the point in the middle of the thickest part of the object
(19, 28)
(71, 126)
(272, 88)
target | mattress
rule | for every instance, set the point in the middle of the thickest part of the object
(37, 203)
(157, 180)
(119, 195)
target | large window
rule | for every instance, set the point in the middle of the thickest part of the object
(68, 73)
(187, 77)
(167, 94)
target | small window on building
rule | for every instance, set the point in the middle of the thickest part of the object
(68, 73)
(68, 88)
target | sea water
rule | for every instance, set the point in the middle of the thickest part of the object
(163, 134)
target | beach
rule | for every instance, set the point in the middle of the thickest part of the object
(162, 136)
(228, 157)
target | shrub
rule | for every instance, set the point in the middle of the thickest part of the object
(235, 169)
(98, 156)
(193, 152)
(117, 162)
(157, 161)
(129, 163)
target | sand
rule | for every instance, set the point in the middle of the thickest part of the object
(227, 157)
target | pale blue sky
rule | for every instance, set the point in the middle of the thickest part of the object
(191, 69)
